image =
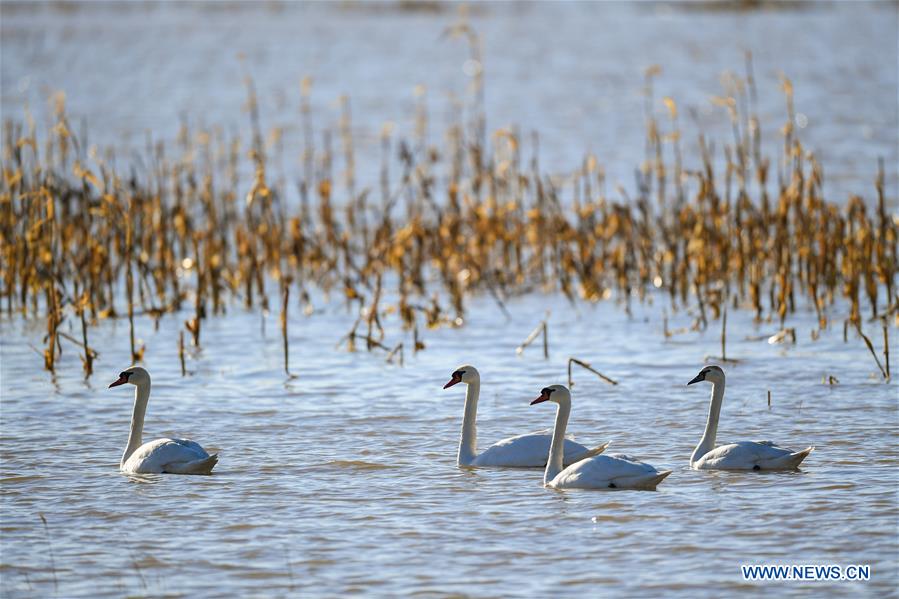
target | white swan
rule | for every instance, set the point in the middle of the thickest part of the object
(523, 451)
(745, 455)
(174, 456)
(599, 472)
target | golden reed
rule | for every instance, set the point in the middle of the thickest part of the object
(184, 239)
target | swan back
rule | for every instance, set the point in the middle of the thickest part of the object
(609, 472)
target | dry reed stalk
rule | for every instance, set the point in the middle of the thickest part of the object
(781, 335)
(89, 354)
(181, 357)
(587, 366)
(873, 353)
(52, 327)
(50, 548)
(285, 299)
(886, 347)
(545, 340)
(540, 329)
(393, 352)
(724, 336)
(467, 214)
(194, 324)
(373, 319)
(136, 354)
(418, 345)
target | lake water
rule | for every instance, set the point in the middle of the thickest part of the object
(573, 71)
(344, 479)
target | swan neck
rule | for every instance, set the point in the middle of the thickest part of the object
(557, 447)
(707, 443)
(135, 437)
(468, 442)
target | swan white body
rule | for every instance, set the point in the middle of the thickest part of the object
(598, 472)
(745, 455)
(523, 451)
(173, 456)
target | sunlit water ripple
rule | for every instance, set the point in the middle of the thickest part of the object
(344, 479)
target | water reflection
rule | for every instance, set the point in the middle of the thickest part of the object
(150, 479)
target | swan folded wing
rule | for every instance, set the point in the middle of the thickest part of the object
(163, 455)
(605, 471)
(548, 432)
(191, 445)
(745, 455)
(525, 451)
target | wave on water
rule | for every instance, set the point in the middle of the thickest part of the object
(358, 465)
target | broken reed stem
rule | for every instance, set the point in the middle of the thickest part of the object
(417, 344)
(350, 337)
(194, 324)
(587, 366)
(541, 328)
(873, 353)
(50, 547)
(545, 340)
(181, 353)
(497, 299)
(886, 347)
(129, 281)
(52, 325)
(724, 335)
(88, 359)
(373, 315)
(67, 337)
(285, 297)
(393, 352)
(372, 343)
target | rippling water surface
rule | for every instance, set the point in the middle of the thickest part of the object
(344, 479)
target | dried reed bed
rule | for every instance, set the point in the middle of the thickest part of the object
(186, 237)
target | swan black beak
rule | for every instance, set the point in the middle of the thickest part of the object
(453, 381)
(698, 378)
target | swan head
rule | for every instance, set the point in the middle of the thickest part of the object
(134, 375)
(554, 393)
(712, 374)
(464, 374)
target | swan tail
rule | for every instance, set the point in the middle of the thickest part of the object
(589, 453)
(653, 482)
(203, 466)
(796, 458)
(641, 482)
(788, 461)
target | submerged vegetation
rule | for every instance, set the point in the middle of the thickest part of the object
(86, 240)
